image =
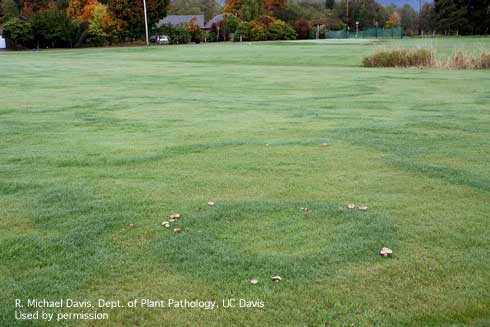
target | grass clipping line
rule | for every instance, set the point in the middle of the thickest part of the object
(426, 57)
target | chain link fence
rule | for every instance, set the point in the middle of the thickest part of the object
(370, 33)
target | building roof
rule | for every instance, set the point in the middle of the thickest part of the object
(181, 19)
(216, 19)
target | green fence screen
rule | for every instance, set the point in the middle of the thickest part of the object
(370, 33)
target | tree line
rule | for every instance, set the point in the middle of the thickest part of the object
(74, 23)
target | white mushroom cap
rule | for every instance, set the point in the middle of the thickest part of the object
(385, 251)
(276, 278)
(174, 216)
(253, 281)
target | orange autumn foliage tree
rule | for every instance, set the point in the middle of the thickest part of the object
(393, 21)
(234, 7)
(192, 25)
(81, 9)
(87, 10)
(74, 9)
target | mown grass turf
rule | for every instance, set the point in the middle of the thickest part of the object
(95, 139)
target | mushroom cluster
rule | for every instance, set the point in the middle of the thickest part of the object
(361, 207)
(173, 217)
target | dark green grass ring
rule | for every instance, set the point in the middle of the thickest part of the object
(239, 240)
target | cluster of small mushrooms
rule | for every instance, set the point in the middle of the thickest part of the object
(174, 216)
(275, 279)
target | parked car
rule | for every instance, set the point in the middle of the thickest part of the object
(153, 38)
(163, 39)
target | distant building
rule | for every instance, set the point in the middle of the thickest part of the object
(180, 20)
(3, 42)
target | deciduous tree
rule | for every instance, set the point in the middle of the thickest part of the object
(234, 7)
(408, 19)
(252, 9)
(9, 9)
(393, 21)
(17, 30)
(271, 6)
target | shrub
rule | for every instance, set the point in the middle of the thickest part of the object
(265, 28)
(421, 57)
(258, 32)
(181, 34)
(279, 30)
(302, 28)
(210, 36)
(243, 30)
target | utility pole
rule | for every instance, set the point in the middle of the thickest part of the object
(347, 14)
(146, 24)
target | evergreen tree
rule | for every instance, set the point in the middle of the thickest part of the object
(329, 4)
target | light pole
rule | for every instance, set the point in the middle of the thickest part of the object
(146, 24)
(420, 17)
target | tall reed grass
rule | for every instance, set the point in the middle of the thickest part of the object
(426, 57)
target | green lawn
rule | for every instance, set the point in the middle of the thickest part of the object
(93, 140)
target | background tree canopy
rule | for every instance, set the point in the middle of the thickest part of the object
(208, 8)
(71, 23)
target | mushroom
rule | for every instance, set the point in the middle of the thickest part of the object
(165, 223)
(177, 230)
(306, 209)
(363, 207)
(211, 203)
(132, 225)
(174, 216)
(253, 281)
(385, 252)
(171, 220)
(276, 278)
(324, 145)
(351, 206)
